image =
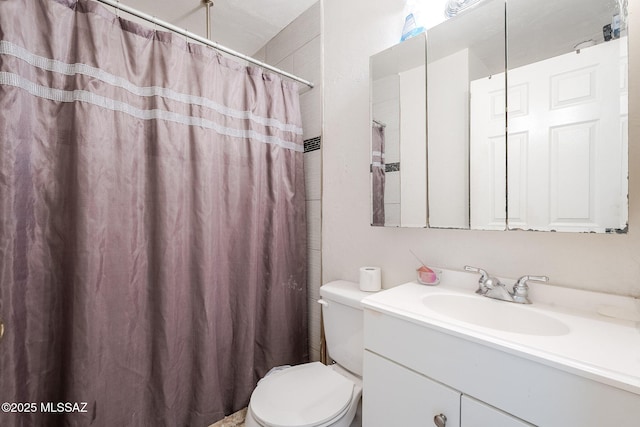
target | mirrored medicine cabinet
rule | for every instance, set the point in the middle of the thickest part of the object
(548, 154)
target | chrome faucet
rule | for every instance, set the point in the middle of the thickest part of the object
(491, 287)
(520, 292)
(486, 281)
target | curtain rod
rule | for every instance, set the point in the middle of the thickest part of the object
(217, 46)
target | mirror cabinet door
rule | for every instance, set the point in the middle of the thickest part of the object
(398, 135)
(567, 115)
(466, 119)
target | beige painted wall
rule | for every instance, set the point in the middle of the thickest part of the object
(352, 31)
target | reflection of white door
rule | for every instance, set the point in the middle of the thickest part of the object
(567, 141)
(487, 154)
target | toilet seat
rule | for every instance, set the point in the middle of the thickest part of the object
(309, 395)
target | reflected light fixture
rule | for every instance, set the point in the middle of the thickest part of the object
(454, 7)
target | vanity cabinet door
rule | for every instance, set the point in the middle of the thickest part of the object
(396, 396)
(477, 414)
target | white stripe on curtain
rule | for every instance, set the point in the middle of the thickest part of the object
(11, 49)
(60, 95)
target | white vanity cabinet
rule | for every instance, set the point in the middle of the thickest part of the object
(414, 370)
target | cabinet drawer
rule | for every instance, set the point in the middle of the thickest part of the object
(396, 396)
(474, 413)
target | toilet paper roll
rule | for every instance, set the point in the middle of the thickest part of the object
(370, 279)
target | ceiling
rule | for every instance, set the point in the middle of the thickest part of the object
(242, 25)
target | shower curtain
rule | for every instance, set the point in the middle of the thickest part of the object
(152, 223)
(377, 174)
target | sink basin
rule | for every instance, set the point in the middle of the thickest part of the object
(494, 314)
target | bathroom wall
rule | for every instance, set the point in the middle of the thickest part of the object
(354, 30)
(297, 49)
(448, 107)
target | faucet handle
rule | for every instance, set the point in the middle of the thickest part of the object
(524, 279)
(484, 274)
(482, 289)
(521, 289)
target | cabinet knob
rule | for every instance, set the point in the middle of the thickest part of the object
(1, 329)
(440, 420)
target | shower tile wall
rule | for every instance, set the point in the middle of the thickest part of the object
(386, 109)
(296, 49)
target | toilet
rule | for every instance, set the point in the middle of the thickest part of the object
(313, 394)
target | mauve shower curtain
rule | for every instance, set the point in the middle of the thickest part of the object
(152, 224)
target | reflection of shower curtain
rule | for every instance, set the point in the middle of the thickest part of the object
(152, 224)
(377, 174)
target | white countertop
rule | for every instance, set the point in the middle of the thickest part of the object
(597, 347)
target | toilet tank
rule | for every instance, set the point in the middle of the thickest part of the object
(343, 323)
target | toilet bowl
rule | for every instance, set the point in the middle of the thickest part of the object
(314, 394)
(309, 395)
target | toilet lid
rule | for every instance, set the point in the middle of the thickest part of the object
(301, 396)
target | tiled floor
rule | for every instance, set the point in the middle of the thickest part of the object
(233, 420)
